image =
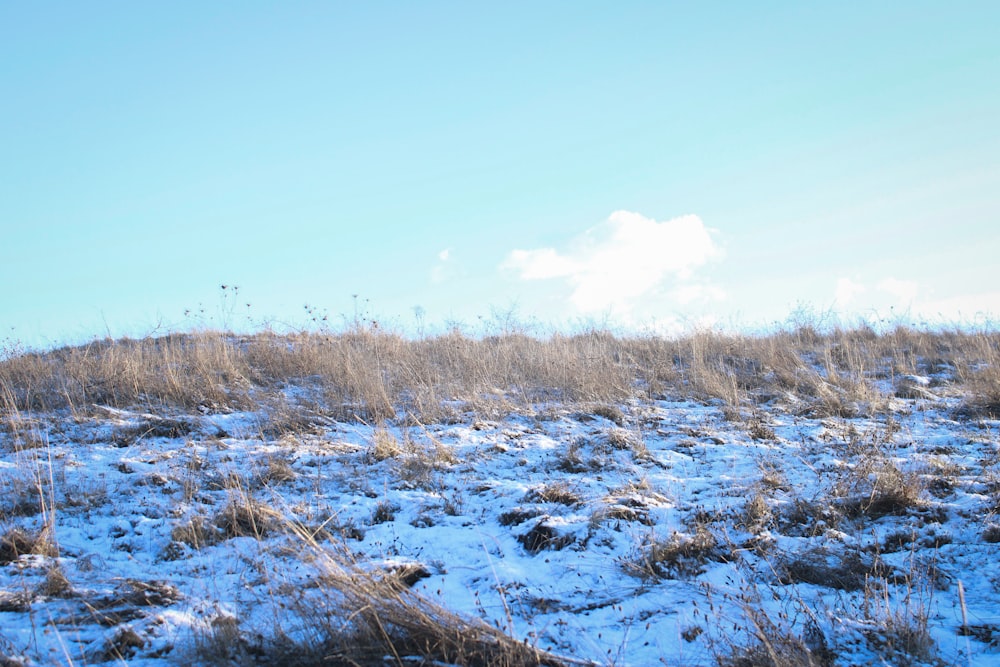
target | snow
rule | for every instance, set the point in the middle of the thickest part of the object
(465, 501)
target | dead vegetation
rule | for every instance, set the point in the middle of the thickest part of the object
(351, 615)
(556, 492)
(17, 542)
(303, 384)
(775, 645)
(242, 516)
(678, 556)
(872, 483)
(371, 374)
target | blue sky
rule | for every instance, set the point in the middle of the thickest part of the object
(649, 164)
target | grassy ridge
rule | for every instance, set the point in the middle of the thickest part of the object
(371, 374)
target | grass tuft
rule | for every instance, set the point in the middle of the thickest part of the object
(679, 556)
(17, 542)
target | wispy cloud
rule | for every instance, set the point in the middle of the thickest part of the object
(891, 296)
(904, 291)
(887, 293)
(694, 292)
(442, 271)
(629, 256)
(972, 307)
(847, 291)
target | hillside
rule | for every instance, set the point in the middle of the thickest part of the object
(362, 498)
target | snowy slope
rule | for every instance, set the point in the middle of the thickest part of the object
(666, 538)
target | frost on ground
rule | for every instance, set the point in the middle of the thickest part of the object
(649, 532)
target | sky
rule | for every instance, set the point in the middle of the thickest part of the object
(645, 165)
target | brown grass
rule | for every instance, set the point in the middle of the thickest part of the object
(16, 542)
(981, 374)
(846, 571)
(247, 517)
(356, 616)
(774, 645)
(242, 516)
(384, 446)
(872, 484)
(371, 374)
(557, 492)
(352, 615)
(679, 556)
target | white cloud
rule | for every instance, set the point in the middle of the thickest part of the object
(442, 271)
(847, 290)
(893, 297)
(904, 290)
(982, 306)
(540, 264)
(888, 292)
(685, 294)
(616, 263)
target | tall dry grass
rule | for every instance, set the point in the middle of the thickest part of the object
(351, 615)
(371, 374)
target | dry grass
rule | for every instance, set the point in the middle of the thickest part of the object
(351, 615)
(679, 556)
(980, 372)
(384, 511)
(756, 513)
(354, 615)
(384, 446)
(242, 516)
(557, 492)
(247, 517)
(841, 570)
(774, 645)
(612, 413)
(889, 613)
(16, 542)
(277, 471)
(370, 374)
(896, 620)
(872, 484)
(542, 536)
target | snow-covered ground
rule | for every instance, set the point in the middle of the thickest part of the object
(639, 534)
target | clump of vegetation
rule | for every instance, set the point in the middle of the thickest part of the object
(757, 513)
(991, 534)
(542, 536)
(277, 471)
(384, 445)
(774, 644)
(619, 438)
(758, 429)
(517, 516)
(680, 555)
(246, 517)
(56, 583)
(196, 532)
(242, 516)
(384, 511)
(573, 460)
(873, 485)
(422, 460)
(610, 412)
(17, 542)
(846, 571)
(384, 617)
(556, 492)
(895, 618)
